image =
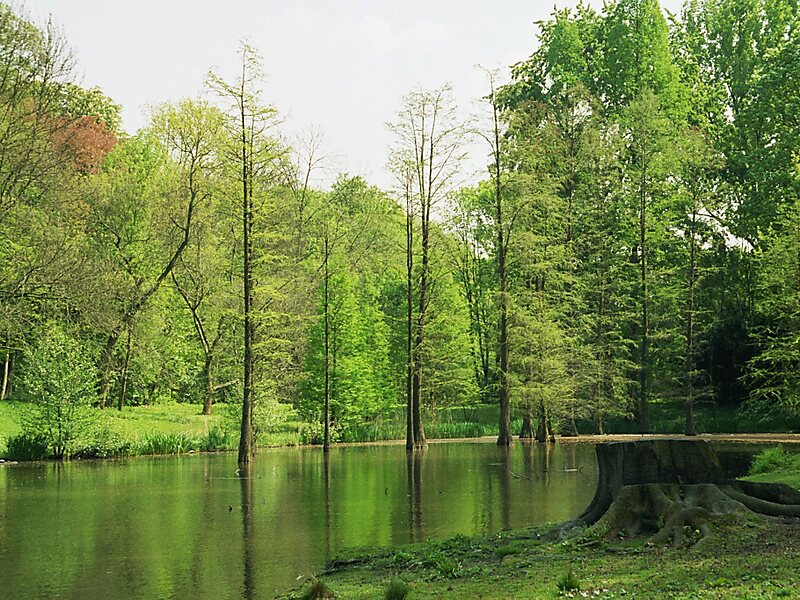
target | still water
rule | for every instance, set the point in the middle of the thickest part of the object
(189, 527)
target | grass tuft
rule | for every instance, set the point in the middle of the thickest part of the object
(397, 589)
(569, 581)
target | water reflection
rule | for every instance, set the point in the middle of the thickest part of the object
(171, 527)
(416, 531)
(248, 535)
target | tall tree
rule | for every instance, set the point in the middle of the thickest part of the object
(428, 152)
(250, 124)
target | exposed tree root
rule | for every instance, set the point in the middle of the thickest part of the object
(673, 491)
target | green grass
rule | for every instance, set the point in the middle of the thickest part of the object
(170, 428)
(776, 465)
(759, 562)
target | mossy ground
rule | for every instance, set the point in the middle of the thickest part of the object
(746, 558)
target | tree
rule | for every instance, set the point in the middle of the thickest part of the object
(141, 220)
(249, 123)
(58, 377)
(191, 133)
(503, 232)
(36, 63)
(646, 136)
(428, 151)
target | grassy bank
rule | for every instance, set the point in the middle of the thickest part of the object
(140, 430)
(176, 428)
(757, 560)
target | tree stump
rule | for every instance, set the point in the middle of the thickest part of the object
(673, 490)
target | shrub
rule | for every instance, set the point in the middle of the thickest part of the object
(397, 590)
(58, 378)
(165, 443)
(771, 459)
(27, 446)
(102, 442)
(216, 438)
(569, 581)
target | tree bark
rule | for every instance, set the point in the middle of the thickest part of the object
(409, 323)
(246, 442)
(208, 376)
(662, 487)
(123, 384)
(526, 433)
(6, 375)
(326, 442)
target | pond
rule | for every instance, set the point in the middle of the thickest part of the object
(189, 527)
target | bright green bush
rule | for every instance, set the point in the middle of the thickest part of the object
(770, 460)
(58, 378)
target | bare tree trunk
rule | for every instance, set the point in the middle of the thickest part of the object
(246, 442)
(409, 324)
(504, 425)
(526, 433)
(326, 442)
(416, 409)
(208, 375)
(123, 384)
(541, 424)
(6, 375)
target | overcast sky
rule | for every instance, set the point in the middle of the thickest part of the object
(337, 65)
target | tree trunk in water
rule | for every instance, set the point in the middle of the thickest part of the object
(541, 424)
(504, 429)
(409, 324)
(123, 384)
(246, 442)
(526, 433)
(570, 427)
(664, 488)
(326, 442)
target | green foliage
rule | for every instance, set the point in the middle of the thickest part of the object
(165, 443)
(27, 446)
(771, 460)
(397, 589)
(59, 379)
(216, 438)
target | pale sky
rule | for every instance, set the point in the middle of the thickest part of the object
(340, 66)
